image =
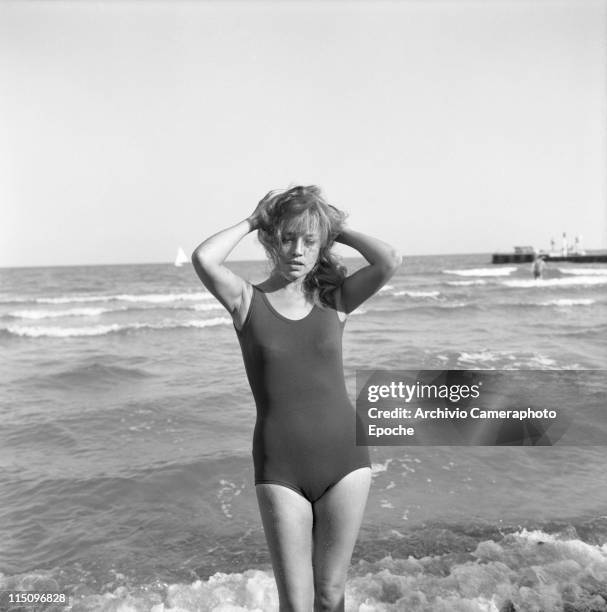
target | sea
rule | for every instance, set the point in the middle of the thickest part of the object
(125, 443)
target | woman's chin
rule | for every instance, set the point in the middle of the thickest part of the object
(293, 273)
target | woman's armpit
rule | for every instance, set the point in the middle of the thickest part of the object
(338, 305)
(242, 314)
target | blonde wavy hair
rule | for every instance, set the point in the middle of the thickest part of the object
(304, 208)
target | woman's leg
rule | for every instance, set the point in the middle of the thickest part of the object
(337, 518)
(287, 522)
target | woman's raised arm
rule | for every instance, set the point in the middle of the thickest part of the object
(383, 260)
(208, 258)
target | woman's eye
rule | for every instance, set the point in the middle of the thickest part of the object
(309, 242)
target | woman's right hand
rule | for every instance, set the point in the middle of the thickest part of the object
(254, 218)
(263, 212)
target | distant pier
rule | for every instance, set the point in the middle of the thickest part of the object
(569, 252)
(499, 258)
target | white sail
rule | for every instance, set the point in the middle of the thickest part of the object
(181, 257)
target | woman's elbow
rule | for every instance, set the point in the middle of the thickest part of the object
(389, 264)
(394, 261)
(198, 256)
(200, 261)
(398, 259)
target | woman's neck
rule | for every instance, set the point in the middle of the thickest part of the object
(277, 282)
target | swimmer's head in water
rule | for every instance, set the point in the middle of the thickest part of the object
(302, 214)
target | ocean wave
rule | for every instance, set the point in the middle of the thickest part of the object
(99, 311)
(93, 373)
(57, 314)
(102, 330)
(466, 283)
(522, 570)
(442, 305)
(556, 282)
(205, 307)
(163, 298)
(486, 359)
(154, 298)
(583, 271)
(483, 357)
(36, 435)
(439, 306)
(455, 305)
(416, 294)
(565, 302)
(525, 570)
(483, 271)
(558, 302)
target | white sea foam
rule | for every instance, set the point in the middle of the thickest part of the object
(206, 307)
(537, 361)
(205, 322)
(101, 330)
(417, 294)
(466, 283)
(162, 298)
(57, 314)
(508, 360)
(565, 302)
(377, 468)
(526, 570)
(226, 494)
(479, 356)
(97, 311)
(74, 299)
(583, 271)
(523, 571)
(386, 288)
(155, 298)
(62, 332)
(483, 271)
(556, 282)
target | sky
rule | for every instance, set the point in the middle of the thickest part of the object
(128, 129)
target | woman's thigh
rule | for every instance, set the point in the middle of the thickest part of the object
(287, 522)
(337, 518)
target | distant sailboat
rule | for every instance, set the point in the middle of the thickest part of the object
(181, 258)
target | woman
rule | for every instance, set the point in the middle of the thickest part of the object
(311, 479)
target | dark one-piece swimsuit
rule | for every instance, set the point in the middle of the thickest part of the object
(305, 434)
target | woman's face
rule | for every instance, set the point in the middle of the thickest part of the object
(298, 251)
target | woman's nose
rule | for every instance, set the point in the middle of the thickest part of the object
(298, 246)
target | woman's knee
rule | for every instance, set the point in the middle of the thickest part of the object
(294, 602)
(329, 595)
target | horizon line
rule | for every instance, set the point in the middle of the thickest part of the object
(261, 259)
(170, 262)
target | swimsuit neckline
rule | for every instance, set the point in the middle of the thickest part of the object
(280, 316)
